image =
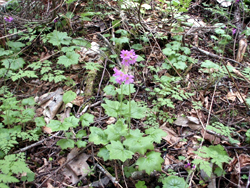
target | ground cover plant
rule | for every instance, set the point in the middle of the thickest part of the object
(126, 93)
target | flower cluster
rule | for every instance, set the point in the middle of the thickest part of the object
(188, 165)
(128, 58)
(8, 19)
(234, 30)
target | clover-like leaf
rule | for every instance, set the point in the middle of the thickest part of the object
(81, 144)
(140, 145)
(174, 182)
(111, 108)
(110, 90)
(151, 162)
(98, 136)
(71, 121)
(71, 58)
(117, 151)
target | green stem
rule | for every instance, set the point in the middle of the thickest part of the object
(121, 97)
(129, 122)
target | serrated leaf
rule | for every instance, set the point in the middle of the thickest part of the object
(168, 51)
(117, 151)
(137, 111)
(70, 49)
(111, 108)
(69, 96)
(137, 46)
(81, 144)
(125, 89)
(66, 143)
(81, 134)
(155, 134)
(120, 40)
(151, 162)
(71, 58)
(180, 65)
(71, 121)
(15, 46)
(81, 42)
(13, 64)
(29, 101)
(140, 145)
(104, 153)
(98, 136)
(58, 38)
(115, 131)
(86, 119)
(174, 182)
(55, 125)
(204, 165)
(110, 90)
(40, 121)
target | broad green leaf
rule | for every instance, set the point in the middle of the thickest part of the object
(93, 66)
(125, 89)
(58, 38)
(151, 162)
(168, 51)
(117, 151)
(29, 101)
(71, 58)
(174, 182)
(70, 49)
(81, 144)
(15, 46)
(66, 143)
(111, 108)
(155, 134)
(115, 131)
(55, 125)
(137, 112)
(40, 121)
(81, 134)
(13, 64)
(186, 50)
(120, 40)
(180, 65)
(71, 121)
(110, 90)
(98, 136)
(4, 52)
(86, 119)
(137, 46)
(104, 153)
(140, 184)
(69, 96)
(140, 145)
(204, 165)
(81, 42)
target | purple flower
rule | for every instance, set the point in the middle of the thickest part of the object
(129, 79)
(55, 20)
(119, 76)
(234, 30)
(193, 167)
(8, 19)
(133, 59)
(237, 1)
(125, 54)
(125, 61)
(187, 165)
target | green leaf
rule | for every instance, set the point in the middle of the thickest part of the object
(13, 64)
(137, 112)
(81, 134)
(71, 58)
(180, 65)
(86, 119)
(125, 90)
(111, 108)
(155, 134)
(81, 144)
(104, 153)
(186, 50)
(70, 49)
(40, 122)
(5, 52)
(204, 165)
(152, 161)
(174, 182)
(98, 136)
(58, 38)
(15, 46)
(66, 143)
(140, 145)
(120, 40)
(92, 66)
(140, 58)
(81, 42)
(110, 90)
(137, 46)
(168, 51)
(115, 131)
(29, 101)
(71, 121)
(69, 96)
(117, 151)
(209, 64)
(55, 125)
(140, 184)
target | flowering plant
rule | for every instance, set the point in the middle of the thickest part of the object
(8, 19)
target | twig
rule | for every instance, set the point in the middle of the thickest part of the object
(214, 55)
(37, 143)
